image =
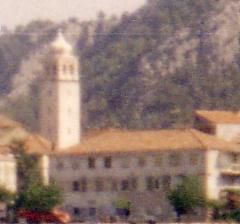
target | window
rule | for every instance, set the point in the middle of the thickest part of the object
(174, 159)
(76, 211)
(158, 160)
(75, 186)
(91, 162)
(124, 185)
(83, 211)
(108, 162)
(150, 183)
(229, 180)
(99, 184)
(193, 158)
(141, 161)
(83, 185)
(234, 157)
(92, 211)
(156, 183)
(71, 68)
(60, 165)
(166, 182)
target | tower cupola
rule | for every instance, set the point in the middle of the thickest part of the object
(60, 45)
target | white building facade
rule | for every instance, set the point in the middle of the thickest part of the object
(8, 172)
(223, 124)
(142, 167)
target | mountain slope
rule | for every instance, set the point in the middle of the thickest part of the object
(162, 62)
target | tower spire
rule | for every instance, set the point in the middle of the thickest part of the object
(60, 45)
(60, 95)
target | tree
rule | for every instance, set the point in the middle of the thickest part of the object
(217, 208)
(28, 171)
(40, 198)
(33, 195)
(6, 202)
(187, 196)
(5, 195)
(228, 208)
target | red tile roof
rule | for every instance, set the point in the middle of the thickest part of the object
(117, 141)
(216, 116)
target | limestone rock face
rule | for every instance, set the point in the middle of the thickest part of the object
(213, 43)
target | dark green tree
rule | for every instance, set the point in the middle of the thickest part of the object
(217, 209)
(28, 172)
(5, 195)
(228, 208)
(33, 195)
(7, 201)
(187, 196)
(40, 198)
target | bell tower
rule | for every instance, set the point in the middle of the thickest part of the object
(60, 95)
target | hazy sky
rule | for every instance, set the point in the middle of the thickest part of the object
(16, 12)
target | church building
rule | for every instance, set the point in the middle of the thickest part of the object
(140, 167)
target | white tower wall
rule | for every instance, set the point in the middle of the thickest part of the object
(68, 114)
(60, 96)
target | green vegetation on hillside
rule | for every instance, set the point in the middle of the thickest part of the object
(124, 86)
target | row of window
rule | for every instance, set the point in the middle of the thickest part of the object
(126, 184)
(84, 211)
(93, 212)
(175, 159)
(87, 212)
(64, 68)
(230, 180)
